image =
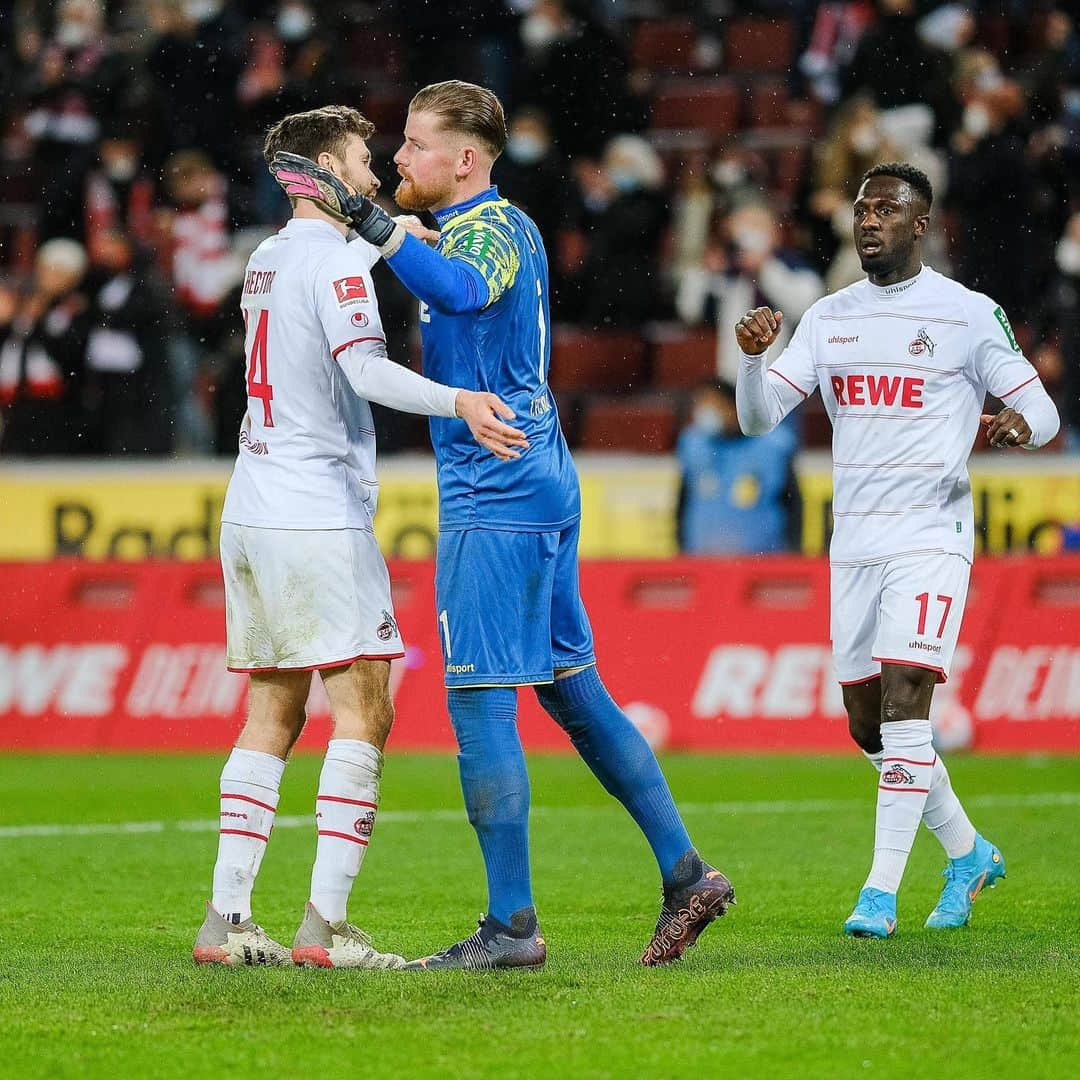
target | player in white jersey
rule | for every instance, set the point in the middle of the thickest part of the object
(306, 587)
(904, 360)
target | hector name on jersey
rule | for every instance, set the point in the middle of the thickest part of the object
(307, 442)
(903, 371)
(503, 348)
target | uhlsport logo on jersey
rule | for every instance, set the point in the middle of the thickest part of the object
(922, 343)
(364, 825)
(350, 290)
(388, 628)
(897, 774)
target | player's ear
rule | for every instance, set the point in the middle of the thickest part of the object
(466, 161)
(922, 223)
(329, 162)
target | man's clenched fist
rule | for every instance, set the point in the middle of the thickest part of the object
(758, 329)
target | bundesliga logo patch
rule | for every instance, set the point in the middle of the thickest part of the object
(350, 290)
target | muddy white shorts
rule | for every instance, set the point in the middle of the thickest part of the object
(299, 600)
(906, 611)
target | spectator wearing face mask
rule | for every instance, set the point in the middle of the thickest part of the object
(42, 354)
(894, 65)
(120, 191)
(991, 187)
(125, 396)
(737, 496)
(530, 169)
(750, 267)
(853, 144)
(202, 271)
(575, 71)
(620, 276)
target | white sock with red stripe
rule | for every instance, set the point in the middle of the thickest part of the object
(943, 813)
(344, 817)
(906, 769)
(945, 817)
(249, 797)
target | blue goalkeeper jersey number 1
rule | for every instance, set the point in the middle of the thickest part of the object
(505, 349)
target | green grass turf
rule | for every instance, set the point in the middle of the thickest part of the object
(96, 976)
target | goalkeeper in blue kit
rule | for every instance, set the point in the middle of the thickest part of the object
(509, 606)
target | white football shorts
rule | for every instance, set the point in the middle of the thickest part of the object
(906, 611)
(298, 600)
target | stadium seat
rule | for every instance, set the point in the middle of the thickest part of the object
(682, 357)
(611, 360)
(767, 104)
(712, 105)
(646, 425)
(664, 46)
(789, 165)
(758, 44)
(386, 108)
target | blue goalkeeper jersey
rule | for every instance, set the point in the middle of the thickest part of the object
(503, 348)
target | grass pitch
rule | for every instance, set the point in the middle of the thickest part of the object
(96, 976)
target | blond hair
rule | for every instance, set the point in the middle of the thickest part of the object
(467, 109)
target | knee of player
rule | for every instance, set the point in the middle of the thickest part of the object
(865, 731)
(382, 717)
(899, 704)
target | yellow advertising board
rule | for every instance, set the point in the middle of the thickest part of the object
(174, 510)
(100, 511)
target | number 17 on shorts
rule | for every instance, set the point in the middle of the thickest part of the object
(906, 611)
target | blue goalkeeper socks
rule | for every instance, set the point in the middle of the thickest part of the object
(621, 760)
(496, 789)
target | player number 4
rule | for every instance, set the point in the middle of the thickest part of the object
(258, 385)
(923, 600)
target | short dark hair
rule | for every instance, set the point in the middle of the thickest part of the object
(914, 177)
(465, 108)
(317, 131)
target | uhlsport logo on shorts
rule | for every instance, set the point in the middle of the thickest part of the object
(364, 825)
(897, 774)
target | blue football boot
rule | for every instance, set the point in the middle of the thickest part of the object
(965, 878)
(874, 915)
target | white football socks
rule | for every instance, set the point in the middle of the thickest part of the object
(907, 766)
(945, 817)
(344, 817)
(943, 814)
(249, 797)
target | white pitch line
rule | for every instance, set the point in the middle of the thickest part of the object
(304, 821)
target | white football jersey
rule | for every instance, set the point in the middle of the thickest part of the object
(307, 443)
(903, 371)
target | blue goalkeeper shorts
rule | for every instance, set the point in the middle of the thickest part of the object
(509, 606)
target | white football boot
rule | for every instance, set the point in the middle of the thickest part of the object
(338, 945)
(221, 941)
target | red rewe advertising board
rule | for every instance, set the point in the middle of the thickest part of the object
(703, 654)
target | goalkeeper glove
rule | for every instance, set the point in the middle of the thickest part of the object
(301, 178)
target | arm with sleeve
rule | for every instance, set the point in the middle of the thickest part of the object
(1002, 369)
(359, 347)
(765, 395)
(481, 263)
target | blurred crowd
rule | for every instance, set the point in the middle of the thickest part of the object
(683, 160)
